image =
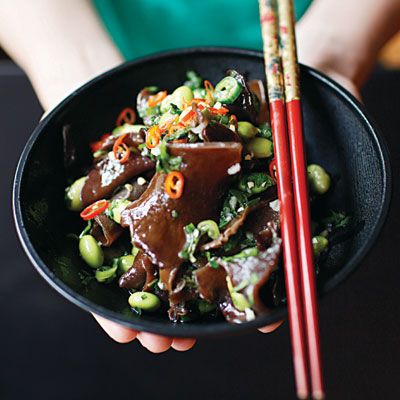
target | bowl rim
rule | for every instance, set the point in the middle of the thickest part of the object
(208, 328)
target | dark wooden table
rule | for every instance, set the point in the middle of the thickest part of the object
(49, 349)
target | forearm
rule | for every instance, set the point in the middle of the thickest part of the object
(60, 44)
(345, 36)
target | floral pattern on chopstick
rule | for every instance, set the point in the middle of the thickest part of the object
(288, 50)
(269, 31)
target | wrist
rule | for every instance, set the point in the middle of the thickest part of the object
(54, 79)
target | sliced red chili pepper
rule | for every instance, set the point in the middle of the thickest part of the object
(153, 137)
(95, 146)
(218, 111)
(209, 89)
(188, 117)
(272, 169)
(166, 125)
(94, 209)
(174, 183)
(156, 98)
(126, 116)
(121, 150)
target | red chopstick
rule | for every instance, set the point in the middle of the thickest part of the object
(297, 151)
(285, 193)
(293, 194)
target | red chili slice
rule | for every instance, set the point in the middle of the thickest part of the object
(94, 209)
(126, 116)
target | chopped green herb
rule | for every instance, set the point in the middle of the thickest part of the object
(265, 131)
(87, 229)
(249, 252)
(336, 220)
(175, 109)
(166, 163)
(174, 214)
(255, 182)
(192, 240)
(235, 203)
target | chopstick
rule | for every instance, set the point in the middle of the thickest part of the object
(301, 199)
(274, 77)
(286, 120)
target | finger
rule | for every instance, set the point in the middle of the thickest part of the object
(117, 332)
(183, 344)
(271, 328)
(154, 343)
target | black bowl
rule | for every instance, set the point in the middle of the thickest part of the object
(339, 135)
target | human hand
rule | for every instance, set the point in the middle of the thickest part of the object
(156, 343)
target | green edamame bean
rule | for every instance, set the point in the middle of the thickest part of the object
(127, 128)
(200, 93)
(125, 262)
(181, 95)
(106, 274)
(165, 104)
(91, 251)
(260, 147)
(145, 301)
(247, 130)
(117, 207)
(239, 301)
(210, 227)
(73, 195)
(320, 244)
(319, 179)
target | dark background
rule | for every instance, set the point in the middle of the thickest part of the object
(50, 349)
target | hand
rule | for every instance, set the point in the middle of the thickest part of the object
(152, 342)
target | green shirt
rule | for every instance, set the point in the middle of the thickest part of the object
(142, 27)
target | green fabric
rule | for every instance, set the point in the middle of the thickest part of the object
(142, 27)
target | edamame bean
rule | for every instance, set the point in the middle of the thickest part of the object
(165, 104)
(320, 244)
(125, 262)
(117, 207)
(106, 274)
(319, 179)
(210, 227)
(91, 251)
(145, 301)
(73, 195)
(181, 95)
(239, 301)
(260, 147)
(200, 93)
(127, 128)
(247, 130)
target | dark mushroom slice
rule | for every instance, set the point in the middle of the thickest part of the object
(257, 87)
(140, 275)
(105, 230)
(155, 228)
(263, 219)
(130, 191)
(133, 139)
(251, 273)
(217, 132)
(244, 107)
(248, 275)
(213, 288)
(230, 230)
(109, 173)
(142, 105)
